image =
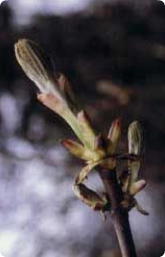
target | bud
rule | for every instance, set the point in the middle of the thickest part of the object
(135, 147)
(114, 135)
(56, 93)
(135, 138)
(37, 65)
(115, 130)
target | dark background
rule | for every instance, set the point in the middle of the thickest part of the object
(114, 56)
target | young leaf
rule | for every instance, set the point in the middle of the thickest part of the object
(140, 209)
(66, 88)
(78, 150)
(87, 130)
(84, 172)
(137, 187)
(38, 66)
(89, 197)
(52, 102)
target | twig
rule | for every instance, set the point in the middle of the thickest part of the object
(118, 214)
(95, 150)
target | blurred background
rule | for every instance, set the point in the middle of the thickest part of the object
(114, 55)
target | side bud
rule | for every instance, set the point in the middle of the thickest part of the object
(135, 138)
(114, 135)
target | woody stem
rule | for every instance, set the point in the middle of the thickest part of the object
(119, 215)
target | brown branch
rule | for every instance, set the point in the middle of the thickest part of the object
(118, 214)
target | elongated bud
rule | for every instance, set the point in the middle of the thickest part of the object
(114, 135)
(135, 138)
(89, 197)
(37, 66)
(115, 130)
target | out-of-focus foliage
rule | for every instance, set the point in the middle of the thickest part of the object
(114, 56)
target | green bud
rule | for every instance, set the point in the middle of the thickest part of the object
(135, 138)
(38, 66)
(114, 135)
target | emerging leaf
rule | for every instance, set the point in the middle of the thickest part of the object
(89, 197)
(78, 150)
(114, 135)
(87, 130)
(140, 209)
(56, 93)
(137, 187)
(38, 66)
(66, 88)
(84, 172)
(52, 102)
